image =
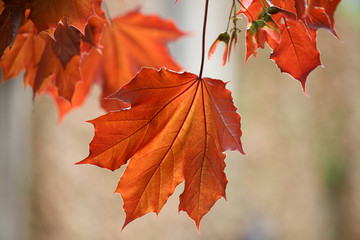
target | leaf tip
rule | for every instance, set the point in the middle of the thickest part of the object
(303, 87)
(84, 161)
(125, 224)
(127, 221)
(92, 121)
(241, 149)
(198, 226)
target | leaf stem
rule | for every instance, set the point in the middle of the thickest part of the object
(203, 39)
(230, 15)
(263, 4)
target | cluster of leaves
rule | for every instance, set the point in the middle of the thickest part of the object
(175, 127)
(288, 26)
(67, 46)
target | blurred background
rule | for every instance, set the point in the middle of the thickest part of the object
(299, 180)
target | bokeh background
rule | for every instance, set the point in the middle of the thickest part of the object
(299, 180)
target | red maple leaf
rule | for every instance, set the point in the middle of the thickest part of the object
(300, 8)
(176, 130)
(320, 14)
(289, 5)
(296, 53)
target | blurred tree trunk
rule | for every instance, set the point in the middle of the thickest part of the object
(15, 160)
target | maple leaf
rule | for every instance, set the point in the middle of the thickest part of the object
(89, 60)
(320, 14)
(47, 13)
(81, 90)
(177, 129)
(300, 8)
(66, 44)
(293, 6)
(94, 29)
(25, 54)
(296, 53)
(317, 14)
(129, 43)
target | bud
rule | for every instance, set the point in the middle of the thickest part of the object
(223, 37)
(273, 31)
(258, 34)
(233, 40)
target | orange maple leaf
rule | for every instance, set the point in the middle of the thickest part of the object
(177, 129)
(87, 66)
(25, 54)
(47, 13)
(130, 42)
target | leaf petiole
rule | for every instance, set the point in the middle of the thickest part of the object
(203, 39)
